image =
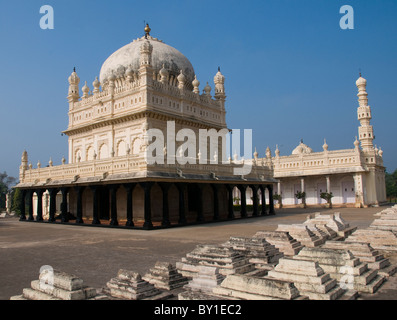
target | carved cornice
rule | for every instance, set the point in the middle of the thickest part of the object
(159, 115)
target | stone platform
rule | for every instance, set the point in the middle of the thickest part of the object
(345, 268)
(310, 279)
(129, 285)
(205, 280)
(331, 224)
(253, 288)
(165, 276)
(302, 233)
(366, 254)
(382, 240)
(57, 285)
(228, 261)
(259, 251)
(281, 240)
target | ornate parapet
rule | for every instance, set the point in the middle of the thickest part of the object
(136, 167)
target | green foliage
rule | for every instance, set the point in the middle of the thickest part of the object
(277, 196)
(391, 184)
(300, 195)
(5, 183)
(16, 201)
(326, 196)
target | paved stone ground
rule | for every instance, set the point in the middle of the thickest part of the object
(96, 254)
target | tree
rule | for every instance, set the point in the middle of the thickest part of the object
(327, 197)
(16, 201)
(5, 183)
(391, 184)
(302, 196)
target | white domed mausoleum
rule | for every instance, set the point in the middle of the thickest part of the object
(147, 149)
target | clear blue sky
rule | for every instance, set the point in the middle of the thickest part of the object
(290, 69)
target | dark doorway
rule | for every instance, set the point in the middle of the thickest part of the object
(103, 203)
(193, 197)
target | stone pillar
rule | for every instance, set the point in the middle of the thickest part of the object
(130, 214)
(200, 215)
(95, 213)
(359, 189)
(254, 199)
(79, 214)
(53, 196)
(8, 203)
(271, 201)
(166, 215)
(39, 216)
(302, 184)
(279, 187)
(64, 205)
(22, 207)
(243, 194)
(215, 189)
(303, 190)
(147, 186)
(30, 205)
(328, 184)
(263, 200)
(181, 188)
(113, 205)
(230, 206)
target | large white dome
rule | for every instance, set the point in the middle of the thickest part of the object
(162, 54)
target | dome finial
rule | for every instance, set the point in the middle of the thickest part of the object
(147, 30)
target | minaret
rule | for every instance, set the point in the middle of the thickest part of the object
(73, 93)
(146, 50)
(219, 81)
(24, 166)
(365, 130)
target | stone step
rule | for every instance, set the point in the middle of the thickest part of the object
(19, 297)
(197, 295)
(257, 273)
(378, 264)
(252, 288)
(305, 287)
(324, 256)
(349, 295)
(165, 276)
(123, 294)
(281, 240)
(303, 268)
(371, 287)
(62, 280)
(299, 278)
(387, 271)
(333, 293)
(80, 294)
(31, 294)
